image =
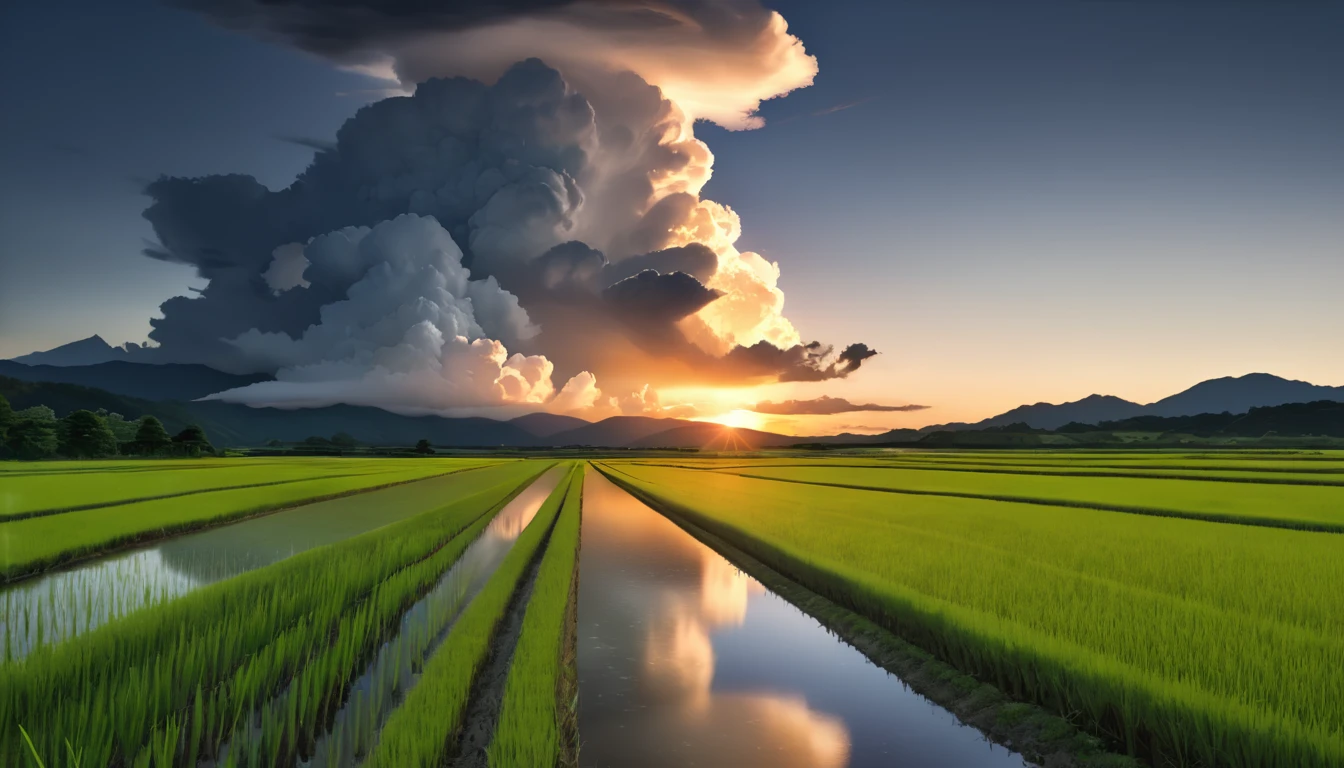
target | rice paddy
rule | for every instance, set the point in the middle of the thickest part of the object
(57, 521)
(1181, 608)
(1186, 641)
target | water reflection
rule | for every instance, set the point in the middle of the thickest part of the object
(66, 603)
(383, 684)
(684, 660)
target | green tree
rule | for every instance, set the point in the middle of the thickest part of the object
(424, 447)
(6, 418)
(151, 437)
(192, 441)
(32, 438)
(344, 440)
(123, 429)
(37, 413)
(84, 435)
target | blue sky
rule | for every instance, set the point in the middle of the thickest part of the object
(1024, 201)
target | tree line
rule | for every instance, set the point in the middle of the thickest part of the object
(36, 433)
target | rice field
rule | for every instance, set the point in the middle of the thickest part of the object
(1182, 608)
(58, 519)
(1186, 641)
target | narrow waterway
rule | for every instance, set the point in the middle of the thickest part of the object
(384, 682)
(70, 602)
(686, 661)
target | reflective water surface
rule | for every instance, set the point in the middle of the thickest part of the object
(383, 683)
(69, 602)
(686, 661)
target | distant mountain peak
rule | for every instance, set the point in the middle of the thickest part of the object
(90, 351)
(1239, 394)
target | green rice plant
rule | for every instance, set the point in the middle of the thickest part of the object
(313, 688)
(1302, 506)
(534, 719)
(1308, 475)
(1183, 641)
(118, 687)
(426, 725)
(60, 605)
(35, 543)
(45, 493)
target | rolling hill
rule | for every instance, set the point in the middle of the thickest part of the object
(542, 424)
(615, 432)
(709, 436)
(230, 424)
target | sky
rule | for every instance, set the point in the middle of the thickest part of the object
(1012, 203)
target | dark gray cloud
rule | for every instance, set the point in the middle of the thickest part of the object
(852, 357)
(342, 29)
(825, 405)
(696, 260)
(803, 362)
(652, 303)
(321, 145)
(571, 267)
(495, 165)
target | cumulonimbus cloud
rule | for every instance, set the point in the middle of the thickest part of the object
(566, 196)
(825, 405)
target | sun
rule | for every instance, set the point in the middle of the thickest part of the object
(738, 418)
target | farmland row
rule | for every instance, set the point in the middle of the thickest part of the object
(54, 493)
(537, 721)
(34, 544)
(1302, 507)
(1228, 475)
(1177, 639)
(185, 674)
(333, 706)
(425, 729)
(54, 606)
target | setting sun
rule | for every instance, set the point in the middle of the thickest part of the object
(738, 418)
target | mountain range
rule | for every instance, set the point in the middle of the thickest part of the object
(57, 378)
(1226, 395)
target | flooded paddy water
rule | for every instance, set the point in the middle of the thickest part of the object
(686, 661)
(382, 684)
(69, 602)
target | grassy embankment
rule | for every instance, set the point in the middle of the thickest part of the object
(174, 681)
(425, 728)
(1182, 641)
(32, 544)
